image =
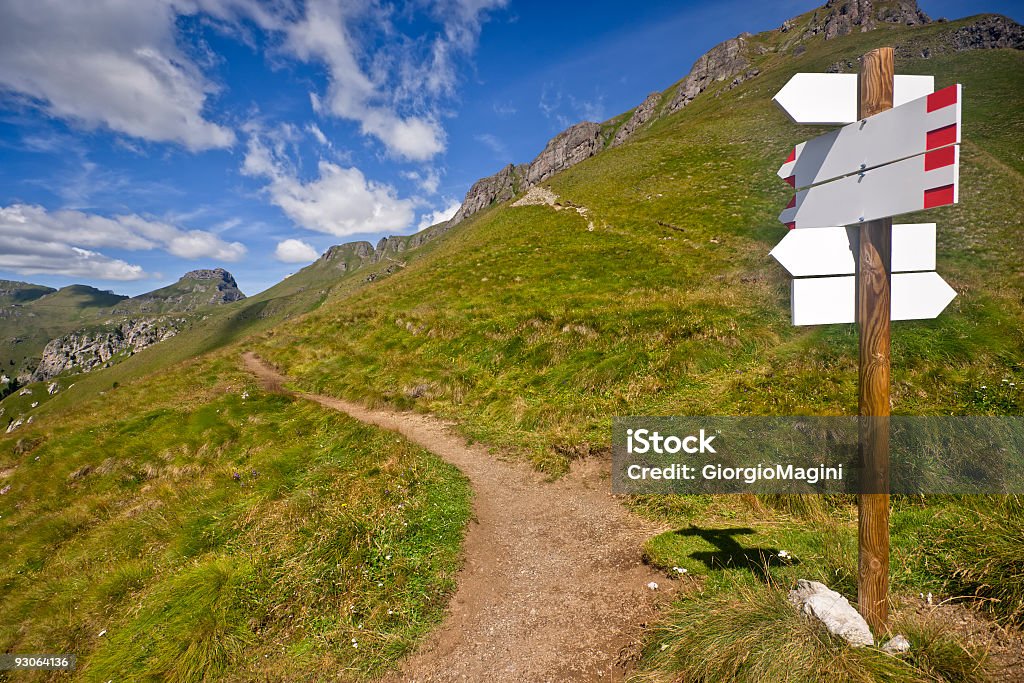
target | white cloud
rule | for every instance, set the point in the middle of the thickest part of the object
(43, 257)
(315, 131)
(295, 251)
(113, 64)
(34, 240)
(439, 216)
(340, 202)
(428, 181)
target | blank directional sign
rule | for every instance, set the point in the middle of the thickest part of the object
(921, 182)
(832, 98)
(828, 300)
(833, 251)
(911, 129)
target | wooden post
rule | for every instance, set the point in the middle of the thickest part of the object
(875, 94)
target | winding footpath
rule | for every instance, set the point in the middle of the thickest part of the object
(553, 587)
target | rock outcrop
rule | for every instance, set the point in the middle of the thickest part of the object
(196, 289)
(843, 17)
(568, 148)
(86, 351)
(989, 33)
(499, 187)
(348, 256)
(641, 115)
(725, 60)
(573, 145)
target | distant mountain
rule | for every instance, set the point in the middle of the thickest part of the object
(12, 292)
(196, 289)
(44, 331)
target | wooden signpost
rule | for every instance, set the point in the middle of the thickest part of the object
(884, 163)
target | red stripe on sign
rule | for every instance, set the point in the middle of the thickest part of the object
(791, 226)
(792, 203)
(938, 158)
(940, 137)
(941, 98)
(791, 180)
(792, 156)
(938, 196)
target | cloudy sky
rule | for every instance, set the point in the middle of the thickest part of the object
(140, 139)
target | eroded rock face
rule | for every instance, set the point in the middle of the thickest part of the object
(843, 17)
(494, 188)
(989, 33)
(568, 148)
(725, 60)
(641, 115)
(88, 350)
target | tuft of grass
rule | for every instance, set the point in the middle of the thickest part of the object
(974, 549)
(752, 633)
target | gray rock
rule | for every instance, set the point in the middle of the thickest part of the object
(725, 60)
(499, 187)
(573, 145)
(843, 17)
(988, 33)
(833, 610)
(641, 115)
(897, 645)
(86, 351)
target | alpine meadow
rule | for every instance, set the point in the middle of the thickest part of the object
(394, 464)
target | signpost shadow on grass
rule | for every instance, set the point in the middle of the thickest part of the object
(730, 554)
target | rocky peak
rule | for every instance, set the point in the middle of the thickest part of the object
(494, 188)
(725, 60)
(568, 148)
(641, 115)
(211, 274)
(843, 17)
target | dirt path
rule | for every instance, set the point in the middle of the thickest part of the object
(553, 586)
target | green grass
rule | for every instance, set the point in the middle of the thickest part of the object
(531, 331)
(210, 530)
(752, 634)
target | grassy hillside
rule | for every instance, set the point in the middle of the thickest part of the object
(531, 327)
(532, 330)
(192, 526)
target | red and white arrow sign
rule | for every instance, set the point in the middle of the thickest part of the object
(922, 182)
(833, 251)
(826, 99)
(827, 300)
(911, 129)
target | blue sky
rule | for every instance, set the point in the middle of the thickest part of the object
(140, 139)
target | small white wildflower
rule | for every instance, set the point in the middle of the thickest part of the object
(387, 557)
(784, 554)
(929, 598)
(391, 611)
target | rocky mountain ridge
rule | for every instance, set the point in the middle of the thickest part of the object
(85, 351)
(731, 61)
(81, 327)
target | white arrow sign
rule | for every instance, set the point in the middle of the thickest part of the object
(827, 99)
(914, 128)
(921, 182)
(828, 300)
(833, 251)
